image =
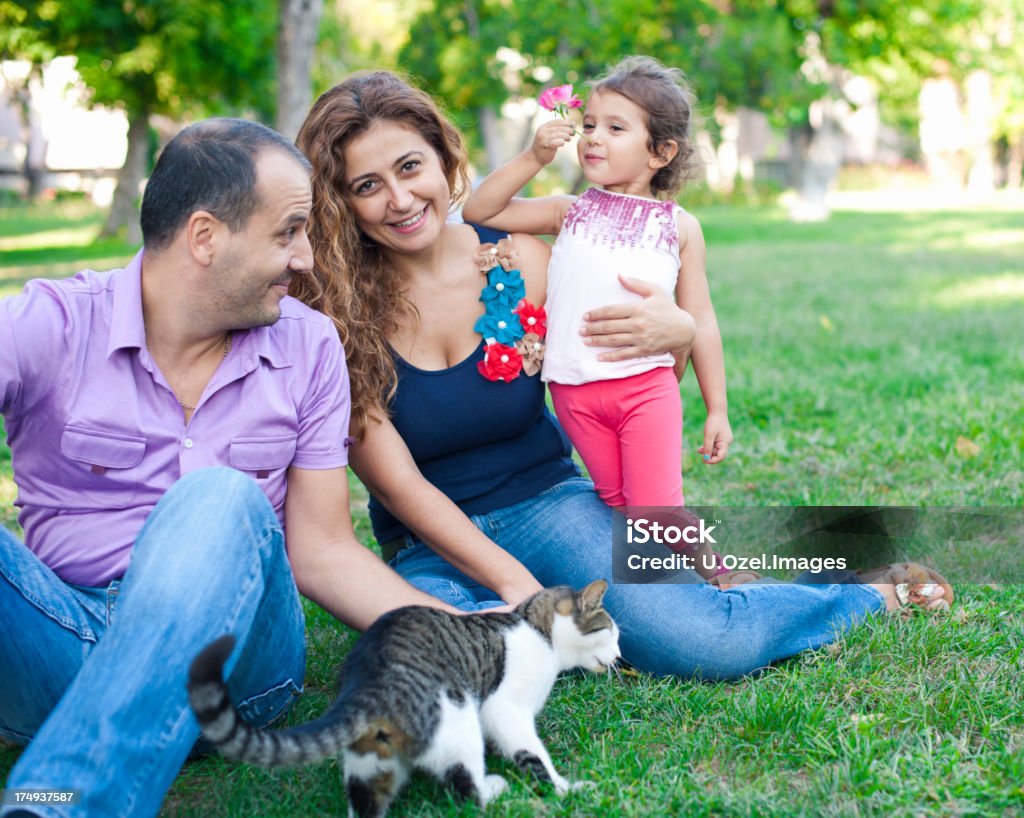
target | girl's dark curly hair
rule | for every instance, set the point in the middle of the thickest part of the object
(668, 101)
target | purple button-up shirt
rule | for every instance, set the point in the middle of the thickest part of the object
(97, 436)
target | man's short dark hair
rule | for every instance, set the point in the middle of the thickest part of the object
(210, 166)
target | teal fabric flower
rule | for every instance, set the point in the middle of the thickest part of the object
(505, 287)
(499, 323)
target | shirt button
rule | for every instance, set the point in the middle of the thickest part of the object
(188, 443)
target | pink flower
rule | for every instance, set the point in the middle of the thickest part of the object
(559, 99)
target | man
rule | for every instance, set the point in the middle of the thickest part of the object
(125, 395)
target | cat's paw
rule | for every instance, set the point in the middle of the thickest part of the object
(494, 785)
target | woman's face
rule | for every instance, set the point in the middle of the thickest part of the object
(396, 188)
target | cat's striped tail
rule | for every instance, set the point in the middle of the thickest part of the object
(236, 739)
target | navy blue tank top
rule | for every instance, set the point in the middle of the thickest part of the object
(485, 444)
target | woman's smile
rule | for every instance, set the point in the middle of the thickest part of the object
(397, 189)
(411, 224)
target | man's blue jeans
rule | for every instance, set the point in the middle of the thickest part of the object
(564, 536)
(95, 677)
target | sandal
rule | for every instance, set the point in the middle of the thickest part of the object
(914, 585)
(731, 579)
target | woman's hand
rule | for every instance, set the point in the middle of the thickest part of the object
(515, 592)
(652, 326)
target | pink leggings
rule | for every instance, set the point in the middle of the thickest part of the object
(629, 433)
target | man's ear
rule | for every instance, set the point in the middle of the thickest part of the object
(663, 154)
(203, 233)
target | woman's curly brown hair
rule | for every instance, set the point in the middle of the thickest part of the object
(351, 282)
(668, 101)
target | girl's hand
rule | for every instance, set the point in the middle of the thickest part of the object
(717, 437)
(549, 138)
(652, 326)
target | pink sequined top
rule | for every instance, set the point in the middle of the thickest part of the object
(605, 234)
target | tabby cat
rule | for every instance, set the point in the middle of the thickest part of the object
(424, 688)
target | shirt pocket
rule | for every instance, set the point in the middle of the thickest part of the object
(262, 457)
(100, 466)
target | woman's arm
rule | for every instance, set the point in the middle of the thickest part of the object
(384, 464)
(532, 256)
(493, 203)
(330, 565)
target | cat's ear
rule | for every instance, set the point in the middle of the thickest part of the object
(591, 596)
(564, 606)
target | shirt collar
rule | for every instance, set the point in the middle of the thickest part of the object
(128, 330)
(126, 327)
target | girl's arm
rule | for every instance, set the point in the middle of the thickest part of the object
(385, 465)
(694, 296)
(492, 203)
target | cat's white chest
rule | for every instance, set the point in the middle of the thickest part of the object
(531, 668)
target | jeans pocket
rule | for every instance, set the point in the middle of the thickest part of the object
(263, 708)
(407, 551)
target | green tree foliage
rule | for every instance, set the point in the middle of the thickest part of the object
(188, 57)
(750, 53)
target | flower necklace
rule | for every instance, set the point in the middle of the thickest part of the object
(512, 327)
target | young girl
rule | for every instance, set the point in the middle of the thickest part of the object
(624, 417)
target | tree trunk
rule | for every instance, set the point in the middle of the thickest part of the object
(124, 211)
(491, 137)
(942, 132)
(1015, 164)
(980, 113)
(297, 25)
(821, 163)
(34, 166)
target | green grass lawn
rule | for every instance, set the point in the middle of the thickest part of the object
(877, 359)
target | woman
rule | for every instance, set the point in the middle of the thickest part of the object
(475, 497)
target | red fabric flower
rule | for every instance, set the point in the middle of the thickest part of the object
(533, 319)
(500, 363)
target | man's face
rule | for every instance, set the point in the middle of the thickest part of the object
(253, 272)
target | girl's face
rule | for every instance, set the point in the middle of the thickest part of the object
(613, 151)
(396, 187)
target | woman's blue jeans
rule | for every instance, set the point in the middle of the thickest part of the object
(95, 677)
(564, 536)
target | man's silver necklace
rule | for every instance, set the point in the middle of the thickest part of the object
(227, 349)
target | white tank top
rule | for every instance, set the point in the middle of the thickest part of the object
(605, 234)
